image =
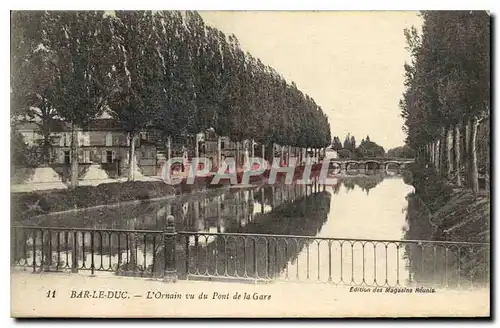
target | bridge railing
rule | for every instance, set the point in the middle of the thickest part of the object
(175, 255)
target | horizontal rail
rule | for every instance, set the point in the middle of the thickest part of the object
(414, 241)
(87, 229)
(233, 256)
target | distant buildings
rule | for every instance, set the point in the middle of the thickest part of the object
(103, 142)
(331, 154)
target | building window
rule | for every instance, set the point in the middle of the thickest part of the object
(222, 145)
(109, 156)
(84, 138)
(67, 139)
(86, 156)
(67, 158)
(109, 139)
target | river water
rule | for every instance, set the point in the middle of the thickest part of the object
(354, 228)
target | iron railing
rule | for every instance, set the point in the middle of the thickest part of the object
(254, 257)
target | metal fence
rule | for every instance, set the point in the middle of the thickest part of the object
(175, 255)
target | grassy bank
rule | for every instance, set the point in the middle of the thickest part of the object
(27, 204)
(438, 210)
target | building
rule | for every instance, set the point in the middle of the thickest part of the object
(103, 142)
(331, 154)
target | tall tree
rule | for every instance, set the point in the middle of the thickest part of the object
(33, 74)
(447, 89)
(79, 41)
(140, 93)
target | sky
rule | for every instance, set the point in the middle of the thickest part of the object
(351, 63)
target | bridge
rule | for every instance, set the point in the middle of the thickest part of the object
(374, 163)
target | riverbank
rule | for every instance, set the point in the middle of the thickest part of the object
(30, 204)
(438, 210)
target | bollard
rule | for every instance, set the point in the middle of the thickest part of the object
(169, 237)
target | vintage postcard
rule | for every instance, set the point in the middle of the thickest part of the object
(250, 164)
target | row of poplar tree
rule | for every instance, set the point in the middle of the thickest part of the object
(447, 97)
(165, 70)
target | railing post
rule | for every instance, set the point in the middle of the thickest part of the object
(169, 237)
(46, 255)
(74, 256)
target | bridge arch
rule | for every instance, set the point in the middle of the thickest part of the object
(347, 163)
(387, 163)
(368, 162)
(335, 165)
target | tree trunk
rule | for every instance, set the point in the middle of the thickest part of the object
(132, 244)
(131, 157)
(196, 147)
(463, 144)
(46, 147)
(246, 155)
(466, 154)
(237, 154)
(443, 161)
(449, 147)
(219, 151)
(263, 151)
(474, 176)
(431, 152)
(458, 179)
(74, 157)
(169, 148)
(436, 155)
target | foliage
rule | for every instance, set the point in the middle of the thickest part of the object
(336, 144)
(163, 69)
(401, 152)
(366, 149)
(448, 79)
(345, 153)
(369, 149)
(18, 149)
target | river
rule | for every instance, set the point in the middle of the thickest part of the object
(356, 211)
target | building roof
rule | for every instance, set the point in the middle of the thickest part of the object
(104, 124)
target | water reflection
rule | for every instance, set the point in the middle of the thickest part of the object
(368, 206)
(222, 210)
